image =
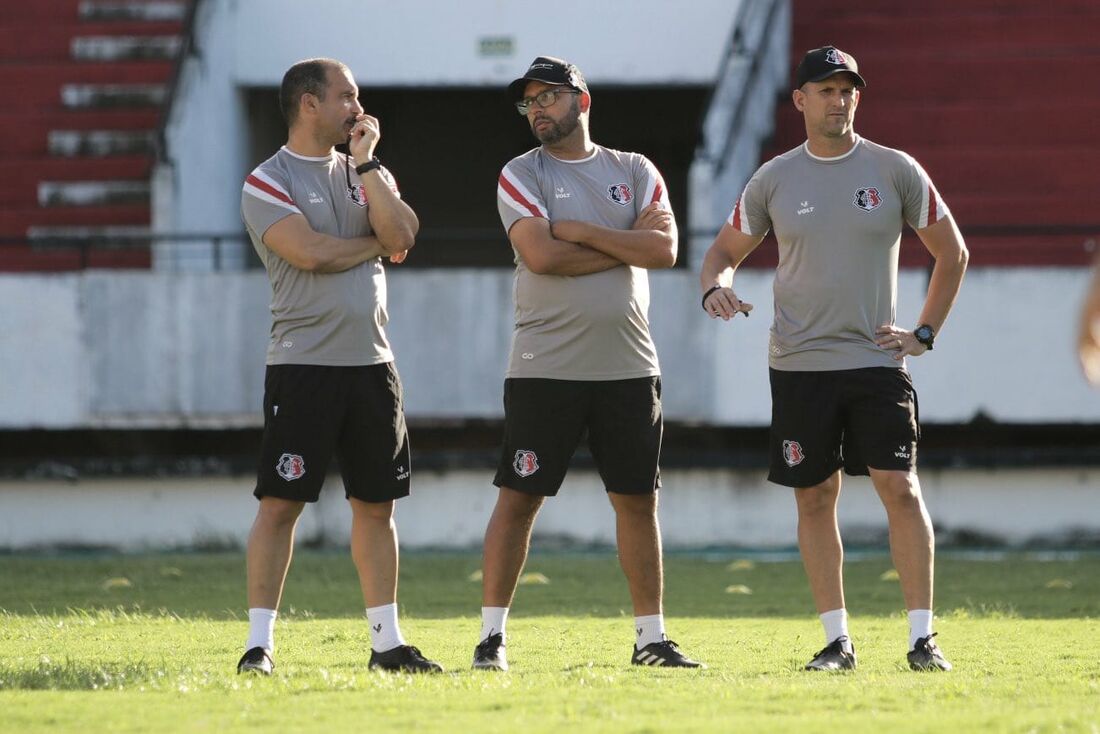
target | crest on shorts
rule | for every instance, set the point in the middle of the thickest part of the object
(291, 467)
(620, 193)
(868, 198)
(526, 463)
(792, 453)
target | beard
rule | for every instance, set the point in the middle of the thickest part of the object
(558, 130)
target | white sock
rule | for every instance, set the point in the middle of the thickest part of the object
(920, 625)
(650, 629)
(836, 625)
(261, 629)
(385, 634)
(492, 621)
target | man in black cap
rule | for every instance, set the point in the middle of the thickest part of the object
(841, 395)
(586, 224)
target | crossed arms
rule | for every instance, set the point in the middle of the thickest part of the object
(571, 247)
(394, 223)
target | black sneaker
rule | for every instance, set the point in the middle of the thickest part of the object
(403, 659)
(926, 656)
(835, 656)
(490, 655)
(665, 653)
(256, 660)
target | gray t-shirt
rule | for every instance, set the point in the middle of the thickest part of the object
(585, 327)
(838, 222)
(334, 319)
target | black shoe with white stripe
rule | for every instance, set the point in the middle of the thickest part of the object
(256, 660)
(489, 654)
(926, 656)
(403, 659)
(665, 653)
(839, 654)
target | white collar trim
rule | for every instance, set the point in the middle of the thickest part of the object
(595, 151)
(299, 156)
(806, 147)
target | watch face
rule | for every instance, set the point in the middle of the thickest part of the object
(924, 334)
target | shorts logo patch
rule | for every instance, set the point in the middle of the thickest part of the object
(792, 453)
(620, 193)
(902, 452)
(868, 198)
(291, 467)
(526, 463)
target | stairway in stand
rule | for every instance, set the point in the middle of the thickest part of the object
(990, 96)
(83, 83)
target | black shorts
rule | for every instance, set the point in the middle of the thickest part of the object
(312, 411)
(544, 421)
(822, 421)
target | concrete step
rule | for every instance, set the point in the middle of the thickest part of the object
(19, 178)
(961, 124)
(99, 143)
(1044, 28)
(53, 42)
(125, 48)
(27, 135)
(918, 11)
(15, 220)
(92, 193)
(156, 11)
(25, 258)
(99, 96)
(37, 86)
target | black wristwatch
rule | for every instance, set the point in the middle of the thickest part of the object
(926, 335)
(370, 165)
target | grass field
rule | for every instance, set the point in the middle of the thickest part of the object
(149, 643)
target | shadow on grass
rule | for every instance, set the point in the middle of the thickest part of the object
(447, 585)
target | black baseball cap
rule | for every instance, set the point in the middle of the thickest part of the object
(822, 63)
(552, 71)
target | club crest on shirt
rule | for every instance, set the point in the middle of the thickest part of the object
(526, 463)
(792, 453)
(357, 194)
(291, 467)
(868, 198)
(620, 193)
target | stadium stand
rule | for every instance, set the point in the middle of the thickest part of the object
(83, 84)
(987, 95)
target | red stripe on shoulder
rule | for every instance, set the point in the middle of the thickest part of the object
(269, 189)
(515, 194)
(933, 210)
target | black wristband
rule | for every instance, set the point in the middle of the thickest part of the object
(706, 295)
(370, 165)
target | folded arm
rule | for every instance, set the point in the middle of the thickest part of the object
(292, 239)
(650, 243)
(545, 254)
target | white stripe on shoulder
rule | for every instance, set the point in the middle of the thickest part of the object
(263, 196)
(522, 191)
(260, 174)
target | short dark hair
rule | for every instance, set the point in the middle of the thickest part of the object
(305, 77)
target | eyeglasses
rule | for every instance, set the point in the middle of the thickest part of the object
(543, 99)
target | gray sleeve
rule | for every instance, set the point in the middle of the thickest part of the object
(921, 202)
(750, 212)
(518, 194)
(265, 199)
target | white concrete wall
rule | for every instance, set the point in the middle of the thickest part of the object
(701, 508)
(134, 349)
(251, 43)
(433, 43)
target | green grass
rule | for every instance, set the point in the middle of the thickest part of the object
(148, 643)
